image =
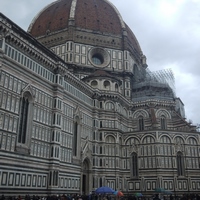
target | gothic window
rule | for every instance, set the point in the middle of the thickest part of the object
(55, 178)
(109, 106)
(141, 123)
(134, 163)
(75, 138)
(163, 123)
(100, 162)
(180, 164)
(23, 120)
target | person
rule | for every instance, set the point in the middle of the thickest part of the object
(156, 197)
(2, 197)
(184, 197)
(19, 198)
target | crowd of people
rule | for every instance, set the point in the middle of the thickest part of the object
(102, 197)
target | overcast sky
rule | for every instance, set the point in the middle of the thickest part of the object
(168, 32)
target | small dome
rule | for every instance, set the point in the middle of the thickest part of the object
(98, 17)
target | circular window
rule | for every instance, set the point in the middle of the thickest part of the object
(94, 83)
(99, 57)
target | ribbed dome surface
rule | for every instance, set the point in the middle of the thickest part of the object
(96, 16)
(52, 18)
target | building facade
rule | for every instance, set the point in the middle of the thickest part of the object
(80, 109)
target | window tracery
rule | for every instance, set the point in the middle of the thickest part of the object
(23, 120)
(134, 164)
(180, 164)
(141, 123)
(109, 106)
(25, 117)
(163, 122)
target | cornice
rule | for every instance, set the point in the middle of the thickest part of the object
(153, 103)
(114, 96)
(17, 37)
(73, 80)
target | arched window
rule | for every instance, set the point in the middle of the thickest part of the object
(106, 84)
(141, 123)
(23, 120)
(180, 164)
(134, 163)
(55, 178)
(109, 106)
(116, 88)
(75, 139)
(163, 123)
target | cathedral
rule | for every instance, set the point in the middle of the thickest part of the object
(80, 108)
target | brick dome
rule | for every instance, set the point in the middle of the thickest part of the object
(96, 16)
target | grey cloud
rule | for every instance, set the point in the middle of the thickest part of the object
(165, 45)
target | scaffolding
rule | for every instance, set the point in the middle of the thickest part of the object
(164, 76)
(159, 84)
